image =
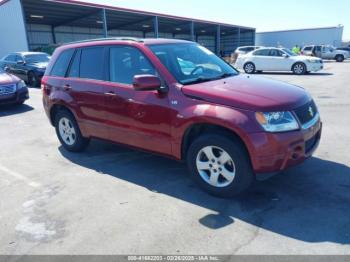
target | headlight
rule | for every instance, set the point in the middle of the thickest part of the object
(312, 61)
(277, 121)
(21, 84)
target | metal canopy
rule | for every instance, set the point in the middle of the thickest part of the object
(80, 14)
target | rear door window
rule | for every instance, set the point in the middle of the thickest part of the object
(92, 63)
(262, 52)
(61, 65)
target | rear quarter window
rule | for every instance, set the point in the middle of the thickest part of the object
(61, 65)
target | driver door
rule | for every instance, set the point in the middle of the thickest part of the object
(137, 118)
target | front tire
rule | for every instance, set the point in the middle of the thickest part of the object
(249, 68)
(220, 165)
(68, 132)
(339, 58)
(299, 69)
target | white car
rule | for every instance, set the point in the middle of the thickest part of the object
(277, 59)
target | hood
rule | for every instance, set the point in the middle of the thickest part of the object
(42, 65)
(250, 93)
(305, 58)
(6, 78)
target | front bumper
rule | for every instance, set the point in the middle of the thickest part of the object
(17, 97)
(275, 152)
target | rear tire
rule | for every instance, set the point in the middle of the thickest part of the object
(68, 132)
(227, 178)
(339, 58)
(249, 68)
(33, 81)
(299, 68)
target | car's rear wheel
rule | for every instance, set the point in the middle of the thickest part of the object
(339, 58)
(299, 68)
(32, 79)
(68, 132)
(249, 68)
(220, 165)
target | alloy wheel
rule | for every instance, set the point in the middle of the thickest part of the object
(67, 131)
(215, 166)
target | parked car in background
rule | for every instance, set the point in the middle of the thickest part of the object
(277, 59)
(325, 52)
(179, 99)
(344, 49)
(12, 89)
(241, 51)
(29, 66)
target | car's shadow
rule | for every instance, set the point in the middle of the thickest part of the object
(309, 203)
(7, 110)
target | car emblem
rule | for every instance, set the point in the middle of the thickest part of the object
(311, 111)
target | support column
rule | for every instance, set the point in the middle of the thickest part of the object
(239, 37)
(104, 22)
(193, 37)
(53, 34)
(218, 40)
(156, 26)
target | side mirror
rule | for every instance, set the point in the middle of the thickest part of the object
(146, 83)
(285, 55)
(7, 69)
(20, 62)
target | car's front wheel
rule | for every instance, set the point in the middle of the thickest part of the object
(220, 165)
(299, 68)
(249, 68)
(68, 132)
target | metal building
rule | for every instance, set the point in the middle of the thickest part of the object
(289, 38)
(32, 24)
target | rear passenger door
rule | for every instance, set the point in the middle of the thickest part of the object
(137, 118)
(84, 84)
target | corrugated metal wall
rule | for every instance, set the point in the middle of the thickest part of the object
(12, 30)
(327, 36)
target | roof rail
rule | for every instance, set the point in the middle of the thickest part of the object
(106, 39)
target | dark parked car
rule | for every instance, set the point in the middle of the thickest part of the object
(12, 89)
(29, 66)
(178, 99)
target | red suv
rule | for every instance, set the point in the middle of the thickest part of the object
(178, 99)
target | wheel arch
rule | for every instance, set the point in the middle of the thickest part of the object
(55, 109)
(299, 62)
(197, 129)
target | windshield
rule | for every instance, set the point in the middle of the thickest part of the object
(37, 58)
(191, 63)
(288, 52)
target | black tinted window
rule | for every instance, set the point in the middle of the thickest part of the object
(126, 62)
(62, 63)
(91, 63)
(262, 52)
(308, 48)
(74, 68)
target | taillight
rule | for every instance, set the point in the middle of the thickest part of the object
(45, 87)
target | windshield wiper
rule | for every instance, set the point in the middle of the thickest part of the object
(198, 80)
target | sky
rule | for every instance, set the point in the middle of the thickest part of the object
(264, 15)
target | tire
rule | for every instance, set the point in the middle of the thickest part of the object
(68, 132)
(238, 168)
(20, 102)
(249, 68)
(33, 81)
(339, 58)
(299, 68)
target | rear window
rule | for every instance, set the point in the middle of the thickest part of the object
(61, 65)
(91, 63)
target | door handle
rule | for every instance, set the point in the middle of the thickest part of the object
(110, 93)
(67, 87)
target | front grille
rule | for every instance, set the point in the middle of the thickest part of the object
(7, 89)
(306, 112)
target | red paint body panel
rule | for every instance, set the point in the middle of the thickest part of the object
(158, 122)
